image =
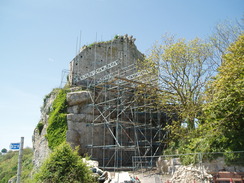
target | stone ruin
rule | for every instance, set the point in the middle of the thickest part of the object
(109, 131)
(99, 60)
(107, 117)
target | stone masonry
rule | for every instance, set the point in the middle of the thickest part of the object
(98, 60)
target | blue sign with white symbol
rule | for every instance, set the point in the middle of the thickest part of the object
(14, 146)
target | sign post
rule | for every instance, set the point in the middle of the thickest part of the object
(20, 159)
(14, 146)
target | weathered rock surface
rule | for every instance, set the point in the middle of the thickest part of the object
(40, 143)
(81, 114)
(79, 118)
(119, 52)
(79, 97)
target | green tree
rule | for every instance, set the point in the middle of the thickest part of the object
(64, 165)
(183, 69)
(223, 127)
(224, 112)
(4, 150)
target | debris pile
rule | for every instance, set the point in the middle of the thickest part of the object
(105, 176)
(186, 174)
(102, 176)
(167, 166)
(124, 177)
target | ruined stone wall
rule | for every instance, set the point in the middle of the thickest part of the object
(80, 130)
(80, 118)
(98, 60)
(86, 124)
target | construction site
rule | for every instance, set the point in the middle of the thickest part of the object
(125, 123)
(115, 118)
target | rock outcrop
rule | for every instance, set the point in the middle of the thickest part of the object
(40, 143)
(81, 115)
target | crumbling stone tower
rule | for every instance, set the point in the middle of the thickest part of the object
(99, 61)
(111, 115)
(110, 119)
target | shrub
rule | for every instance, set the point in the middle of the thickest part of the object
(40, 126)
(64, 165)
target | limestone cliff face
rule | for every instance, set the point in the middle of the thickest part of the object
(80, 115)
(40, 144)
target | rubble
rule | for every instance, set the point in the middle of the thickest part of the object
(190, 173)
(167, 166)
(124, 177)
(105, 176)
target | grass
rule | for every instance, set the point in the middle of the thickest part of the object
(9, 165)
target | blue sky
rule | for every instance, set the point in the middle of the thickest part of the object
(38, 40)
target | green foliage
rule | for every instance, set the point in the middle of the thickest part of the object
(183, 71)
(98, 43)
(224, 114)
(57, 121)
(40, 126)
(116, 36)
(9, 163)
(64, 165)
(222, 127)
(102, 42)
(4, 150)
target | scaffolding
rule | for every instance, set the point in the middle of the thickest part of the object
(126, 118)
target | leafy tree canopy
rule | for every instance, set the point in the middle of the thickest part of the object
(184, 67)
(223, 126)
(224, 114)
(4, 150)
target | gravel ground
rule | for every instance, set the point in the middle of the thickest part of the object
(151, 177)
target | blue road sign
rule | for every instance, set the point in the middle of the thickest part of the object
(14, 146)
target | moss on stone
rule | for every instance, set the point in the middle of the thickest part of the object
(57, 122)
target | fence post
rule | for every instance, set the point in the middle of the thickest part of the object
(201, 167)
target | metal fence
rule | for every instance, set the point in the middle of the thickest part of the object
(193, 167)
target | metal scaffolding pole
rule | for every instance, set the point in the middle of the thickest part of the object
(127, 114)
